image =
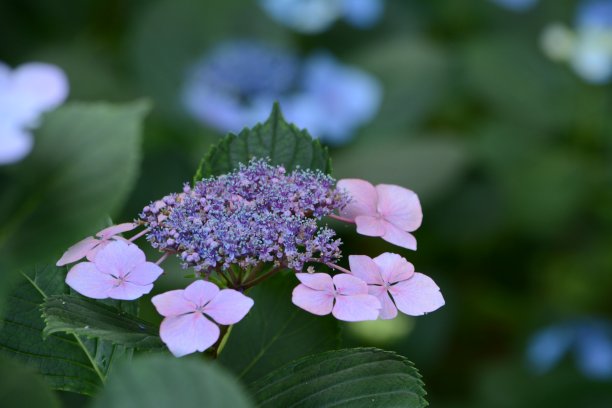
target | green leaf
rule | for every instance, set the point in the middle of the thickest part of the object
(164, 381)
(67, 362)
(81, 316)
(282, 142)
(363, 377)
(83, 165)
(22, 388)
(275, 332)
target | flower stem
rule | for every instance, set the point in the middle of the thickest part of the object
(140, 234)
(339, 218)
(337, 267)
(259, 278)
(163, 258)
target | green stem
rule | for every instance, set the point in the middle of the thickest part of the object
(260, 278)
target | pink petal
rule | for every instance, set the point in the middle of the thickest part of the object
(128, 291)
(370, 226)
(388, 309)
(314, 301)
(144, 274)
(228, 307)
(188, 333)
(86, 279)
(393, 267)
(106, 233)
(398, 237)
(78, 251)
(91, 255)
(417, 295)
(173, 303)
(350, 285)
(201, 292)
(363, 197)
(364, 268)
(317, 281)
(119, 258)
(356, 308)
(399, 206)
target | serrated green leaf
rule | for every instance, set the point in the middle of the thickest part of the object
(83, 165)
(163, 381)
(77, 315)
(67, 362)
(275, 332)
(276, 139)
(362, 377)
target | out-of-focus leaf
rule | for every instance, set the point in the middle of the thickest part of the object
(414, 75)
(81, 316)
(276, 139)
(510, 385)
(84, 163)
(517, 81)
(362, 377)
(275, 332)
(164, 381)
(67, 362)
(427, 166)
(22, 388)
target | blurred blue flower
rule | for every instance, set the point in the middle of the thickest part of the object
(26, 92)
(235, 85)
(314, 16)
(516, 5)
(588, 47)
(589, 339)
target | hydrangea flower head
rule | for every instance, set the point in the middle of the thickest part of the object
(344, 296)
(186, 327)
(233, 87)
(118, 271)
(25, 93)
(589, 339)
(256, 214)
(386, 211)
(314, 16)
(394, 282)
(588, 46)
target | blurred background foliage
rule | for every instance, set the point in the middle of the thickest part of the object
(510, 152)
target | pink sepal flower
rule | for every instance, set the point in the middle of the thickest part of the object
(386, 211)
(119, 271)
(186, 327)
(394, 282)
(344, 296)
(90, 246)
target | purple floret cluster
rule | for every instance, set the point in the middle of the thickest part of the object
(257, 214)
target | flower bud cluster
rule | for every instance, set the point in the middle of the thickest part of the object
(259, 213)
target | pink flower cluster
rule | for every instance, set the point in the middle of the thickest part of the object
(373, 288)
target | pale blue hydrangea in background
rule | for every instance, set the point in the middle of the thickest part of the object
(234, 86)
(516, 5)
(587, 47)
(315, 16)
(590, 340)
(25, 93)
